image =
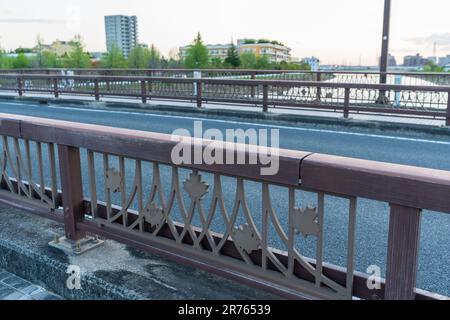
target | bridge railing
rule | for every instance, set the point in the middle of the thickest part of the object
(341, 76)
(348, 98)
(227, 219)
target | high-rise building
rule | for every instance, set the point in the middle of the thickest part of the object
(414, 61)
(121, 31)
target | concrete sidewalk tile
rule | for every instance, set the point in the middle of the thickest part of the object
(32, 289)
(16, 282)
(5, 291)
(51, 296)
(4, 274)
(16, 295)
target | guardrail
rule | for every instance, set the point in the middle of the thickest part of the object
(122, 184)
(376, 99)
(362, 77)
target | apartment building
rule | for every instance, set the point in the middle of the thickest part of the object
(121, 31)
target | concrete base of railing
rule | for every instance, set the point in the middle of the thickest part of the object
(76, 247)
(112, 271)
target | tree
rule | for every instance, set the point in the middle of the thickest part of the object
(21, 62)
(39, 55)
(284, 65)
(197, 56)
(77, 58)
(430, 66)
(216, 63)
(5, 61)
(138, 58)
(248, 60)
(154, 57)
(114, 58)
(262, 62)
(50, 60)
(232, 58)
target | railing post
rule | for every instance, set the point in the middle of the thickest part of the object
(55, 87)
(447, 118)
(199, 93)
(346, 102)
(97, 90)
(144, 91)
(72, 190)
(319, 89)
(265, 98)
(403, 250)
(20, 86)
(253, 77)
(150, 83)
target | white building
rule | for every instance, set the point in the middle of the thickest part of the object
(121, 31)
(273, 50)
(214, 50)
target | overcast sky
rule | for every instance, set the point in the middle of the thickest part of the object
(336, 31)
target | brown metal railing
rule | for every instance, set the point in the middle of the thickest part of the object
(348, 98)
(123, 185)
(363, 77)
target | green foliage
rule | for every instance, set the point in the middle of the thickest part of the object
(248, 60)
(138, 58)
(51, 60)
(114, 59)
(262, 62)
(170, 63)
(249, 41)
(77, 58)
(233, 58)
(21, 62)
(197, 55)
(432, 67)
(217, 63)
(154, 57)
(283, 65)
(5, 61)
(23, 50)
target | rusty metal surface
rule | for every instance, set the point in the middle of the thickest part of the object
(398, 184)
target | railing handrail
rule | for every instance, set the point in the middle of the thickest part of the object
(256, 82)
(410, 186)
(249, 71)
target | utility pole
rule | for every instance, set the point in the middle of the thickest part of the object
(385, 43)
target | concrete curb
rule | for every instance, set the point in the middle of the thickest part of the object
(111, 272)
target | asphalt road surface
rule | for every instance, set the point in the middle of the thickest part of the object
(372, 217)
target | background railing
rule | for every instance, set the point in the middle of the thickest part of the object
(401, 100)
(361, 77)
(123, 185)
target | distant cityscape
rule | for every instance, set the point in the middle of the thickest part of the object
(122, 32)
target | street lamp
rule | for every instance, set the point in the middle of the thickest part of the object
(385, 43)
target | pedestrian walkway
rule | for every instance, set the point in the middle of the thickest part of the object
(13, 287)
